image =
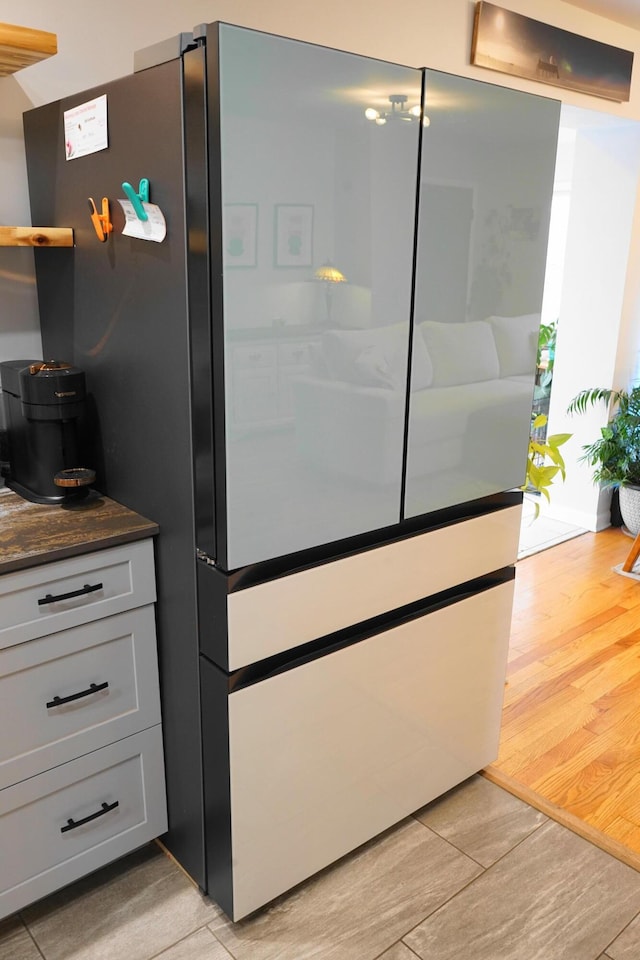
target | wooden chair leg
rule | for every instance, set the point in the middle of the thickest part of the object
(634, 553)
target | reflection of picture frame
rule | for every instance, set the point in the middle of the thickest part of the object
(293, 235)
(511, 43)
(240, 235)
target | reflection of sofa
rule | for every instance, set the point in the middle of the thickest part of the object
(470, 401)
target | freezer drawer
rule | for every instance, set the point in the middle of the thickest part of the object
(327, 755)
(283, 613)
(76, 691)
(58, 826)
(55, 596)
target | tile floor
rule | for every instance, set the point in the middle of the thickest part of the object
(476, 874)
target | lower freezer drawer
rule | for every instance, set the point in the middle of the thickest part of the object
(328, 754)
(58, 826)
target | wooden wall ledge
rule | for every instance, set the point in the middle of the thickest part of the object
(36, 237)
(22, 46)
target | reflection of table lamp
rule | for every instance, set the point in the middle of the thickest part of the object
(327, 274)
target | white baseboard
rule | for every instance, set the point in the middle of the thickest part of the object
(586, 519)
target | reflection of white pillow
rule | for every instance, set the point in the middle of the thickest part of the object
(421, 365)
(461, 352)
(516, 342)
(376, 356)
(342, 347)
(372, 368)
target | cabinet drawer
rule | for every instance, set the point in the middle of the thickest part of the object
(66, 593)
(44, 842)
(357, 739)
(249, 356)
(294, 354)
(117, 655)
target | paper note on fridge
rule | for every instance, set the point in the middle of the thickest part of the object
(155, 228)
(85, 128)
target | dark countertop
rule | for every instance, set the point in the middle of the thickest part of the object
(33, 533)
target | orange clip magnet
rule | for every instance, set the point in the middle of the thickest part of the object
(101, 221)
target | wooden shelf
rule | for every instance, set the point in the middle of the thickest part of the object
(21, 46)
(36, 237)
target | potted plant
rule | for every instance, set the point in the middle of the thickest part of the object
(540, 474)
(615, 455)
(544, 460)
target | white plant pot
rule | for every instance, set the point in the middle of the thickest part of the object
(630, 508)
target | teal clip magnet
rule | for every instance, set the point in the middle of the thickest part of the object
(137, 199)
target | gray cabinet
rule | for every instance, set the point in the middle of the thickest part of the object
(81, 765)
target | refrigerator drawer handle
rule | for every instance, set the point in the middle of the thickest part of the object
(93, 688)
(51, 598)
(71, 824)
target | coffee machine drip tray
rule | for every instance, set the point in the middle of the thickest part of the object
(68, 494)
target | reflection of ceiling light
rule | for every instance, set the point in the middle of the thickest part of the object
(398, 111)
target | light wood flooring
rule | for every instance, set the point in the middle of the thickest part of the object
(570, 741)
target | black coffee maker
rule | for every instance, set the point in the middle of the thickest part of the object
(44, 403)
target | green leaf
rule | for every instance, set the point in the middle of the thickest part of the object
(540, 448)
(547, 474)
(557, 439)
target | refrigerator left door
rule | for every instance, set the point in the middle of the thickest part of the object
(118, 310)
(312, 229)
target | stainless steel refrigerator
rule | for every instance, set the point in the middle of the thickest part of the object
(319, 385)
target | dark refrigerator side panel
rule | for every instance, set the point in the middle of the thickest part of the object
(119, 311)
(203, 244)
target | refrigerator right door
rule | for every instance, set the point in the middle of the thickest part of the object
(485, 191)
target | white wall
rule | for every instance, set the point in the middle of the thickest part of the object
(96, 44)
(593, 349)
(96, 41)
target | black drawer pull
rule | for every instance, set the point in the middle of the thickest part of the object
(105, 808)
(93, 688)
(88, 588)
